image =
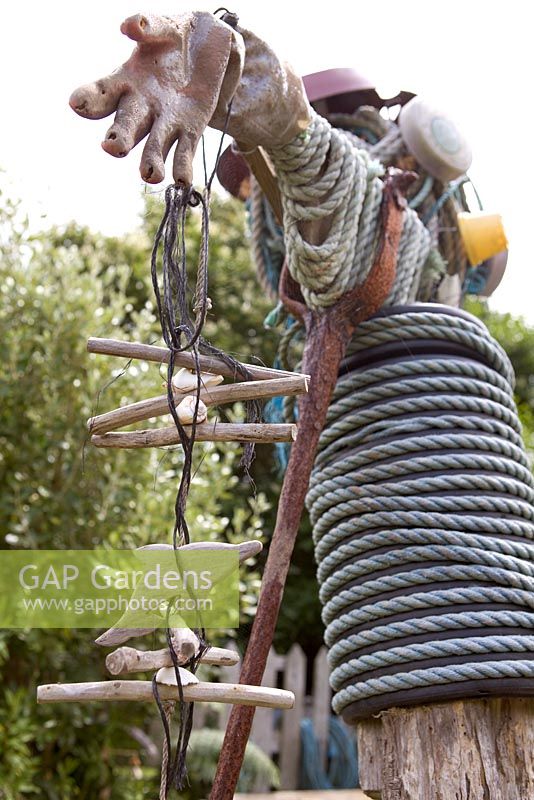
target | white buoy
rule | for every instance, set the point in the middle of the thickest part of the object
(435, 140)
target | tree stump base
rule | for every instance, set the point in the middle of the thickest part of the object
(461, 750)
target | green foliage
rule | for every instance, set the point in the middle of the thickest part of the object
(17, 732)
(517, 338)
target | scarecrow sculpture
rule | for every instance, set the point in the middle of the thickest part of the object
(420, 492)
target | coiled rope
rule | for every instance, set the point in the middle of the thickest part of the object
(342, 758)
(421, 495)
(323, 175)
(436, 204)
(421, 500)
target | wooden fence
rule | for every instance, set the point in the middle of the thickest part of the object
(278, 732)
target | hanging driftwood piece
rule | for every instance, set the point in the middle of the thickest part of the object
(185, 642)
(201, 692)
(260, 433)
(210, 396)
(161, 355)
(125, 660)
(267, 383)
(245, 550)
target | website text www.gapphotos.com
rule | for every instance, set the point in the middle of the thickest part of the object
(110, 605)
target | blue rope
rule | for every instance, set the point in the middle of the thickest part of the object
(451, 190)
(342, 771)
(421, 501)
(423, 192)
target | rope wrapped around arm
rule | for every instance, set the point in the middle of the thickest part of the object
(324, 177)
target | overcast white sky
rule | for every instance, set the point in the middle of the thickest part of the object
(471, 58)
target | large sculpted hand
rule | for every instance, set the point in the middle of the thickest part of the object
(168, 89)
(181, 78)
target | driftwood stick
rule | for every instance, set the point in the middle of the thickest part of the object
(245, 550)
(186, 643)
(160, 355)
(127, 659)
(218, 395)
(206, 432)
(202, 692)
(264, 173)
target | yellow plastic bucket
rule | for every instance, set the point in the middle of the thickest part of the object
(482, 234)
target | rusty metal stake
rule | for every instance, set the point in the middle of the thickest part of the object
(327, 335)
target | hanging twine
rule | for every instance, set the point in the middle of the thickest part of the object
(182, 319)
(168, 709)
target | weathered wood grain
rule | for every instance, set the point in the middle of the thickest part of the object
(206, 432)
(294, 676)
(160, 355)
(337, 794)
(202, 692)
(127, 659)
(215, 396)
(462, 750)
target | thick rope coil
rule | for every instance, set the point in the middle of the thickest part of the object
(416, 604)
(421, 501)
(383, 660)
(496, 670)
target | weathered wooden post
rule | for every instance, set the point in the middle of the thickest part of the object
(461, 750)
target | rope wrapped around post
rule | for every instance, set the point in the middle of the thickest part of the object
(422, 504)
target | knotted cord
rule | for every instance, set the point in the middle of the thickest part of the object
(368, 134)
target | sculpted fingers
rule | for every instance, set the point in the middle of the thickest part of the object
(99, 99)
(132, 123)
(182, 169)
(162, 136)
(151, 29)
(169, 89)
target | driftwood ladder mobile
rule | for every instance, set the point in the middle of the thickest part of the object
(186, 645)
